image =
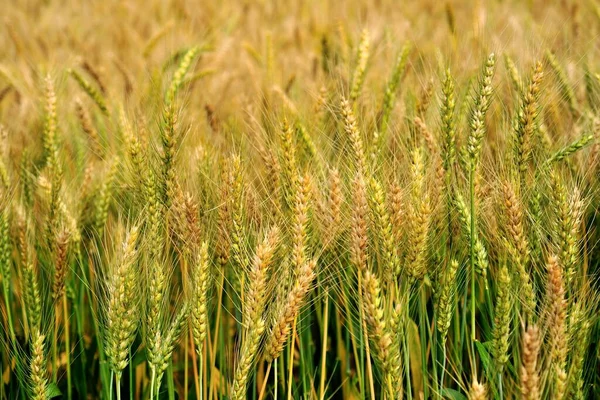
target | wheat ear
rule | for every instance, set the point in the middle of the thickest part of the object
(529, 364)
(122, 316)
(287, 313)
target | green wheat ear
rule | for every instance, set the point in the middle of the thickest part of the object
(179, 75)
(564, 85)
(38, 375)
(447, 111)
(445, 299)
(389, 97)
(91, 91)
(502, 318)
(527, 122)
(481, 104)
(362, 58)
(571, 149)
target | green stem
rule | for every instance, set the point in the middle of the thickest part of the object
(131, 380)
(472, 249)
(434, 361)
(152, 382)
(220, 289)
(406, 289)
(423, 339)
(13, 337)
(200, 374)
(275, 378)
(79, 313)
(55, 346)
(291, 361)
(118, 385)
(110, 389)
(443, 368)
(67, 347)
(435, 347)
(185, 366)
(6, 291)
(407, 363)
(265, 381)
(500, 385)
(324, 349)
(170, 382)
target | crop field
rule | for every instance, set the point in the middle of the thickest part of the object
(301, 199)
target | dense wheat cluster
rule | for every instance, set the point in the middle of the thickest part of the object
(299, 200)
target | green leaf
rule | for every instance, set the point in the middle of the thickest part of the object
(487, 361)
(52, 391)
(138, 358)
(453, 394)
(414, 346)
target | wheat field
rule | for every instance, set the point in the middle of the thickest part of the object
(299, 199)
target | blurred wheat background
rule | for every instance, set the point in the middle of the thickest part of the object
(299, 199)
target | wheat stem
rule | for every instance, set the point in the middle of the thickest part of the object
(67, 346)
(324, 349)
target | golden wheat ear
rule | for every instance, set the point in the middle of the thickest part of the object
(254, 308)
(288, 311)
(556, 324)
(60, 264)
(478, 391)
(354, 135)
(527, 123)
(88, 128)
(530, 379)
(518, 247)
